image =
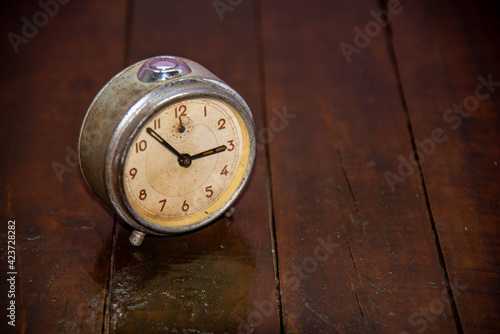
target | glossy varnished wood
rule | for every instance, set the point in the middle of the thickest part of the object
(442, 58)
(63, 234)
(328, 169)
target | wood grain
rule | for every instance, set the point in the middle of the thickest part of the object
(62, 232)
(440, 57)
(219, 279)
(340, 228)
(328, 179)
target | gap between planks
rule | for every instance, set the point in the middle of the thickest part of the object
(395, 66)
(259, 38)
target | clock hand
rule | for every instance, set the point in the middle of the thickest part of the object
(183, 159)
(162, 141)
(206, 153)
(181, 127)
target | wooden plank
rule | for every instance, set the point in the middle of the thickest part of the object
(328, 178)
(446, 52)
(62, 233)
(219, 279)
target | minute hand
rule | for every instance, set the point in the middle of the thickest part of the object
(162, 141)
(206, 153)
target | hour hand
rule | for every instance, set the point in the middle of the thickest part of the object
(206, 153)
(162, 141)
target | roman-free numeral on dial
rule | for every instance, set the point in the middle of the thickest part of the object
(209, 191)
(141, 146)
(163, 205)
(133, 172)
(156, 123)
(224, 171)
(181, 111)
(221, 123)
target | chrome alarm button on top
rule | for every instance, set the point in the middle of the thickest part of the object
(162, 68)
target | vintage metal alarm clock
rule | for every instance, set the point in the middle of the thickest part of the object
(168, 145)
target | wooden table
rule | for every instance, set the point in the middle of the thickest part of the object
(373, 206)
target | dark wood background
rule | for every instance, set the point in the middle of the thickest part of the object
(342, 228)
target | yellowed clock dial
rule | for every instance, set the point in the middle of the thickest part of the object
(186, 162)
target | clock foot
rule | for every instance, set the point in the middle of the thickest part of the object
(229, 212)
(136, 238)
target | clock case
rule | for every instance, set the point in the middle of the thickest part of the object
(123, 106)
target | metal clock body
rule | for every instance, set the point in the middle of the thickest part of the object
(168, 145)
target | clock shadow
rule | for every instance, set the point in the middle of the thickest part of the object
(199, 280)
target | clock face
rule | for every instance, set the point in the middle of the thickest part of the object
(186, 162)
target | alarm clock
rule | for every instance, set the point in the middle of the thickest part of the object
(168, 145)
